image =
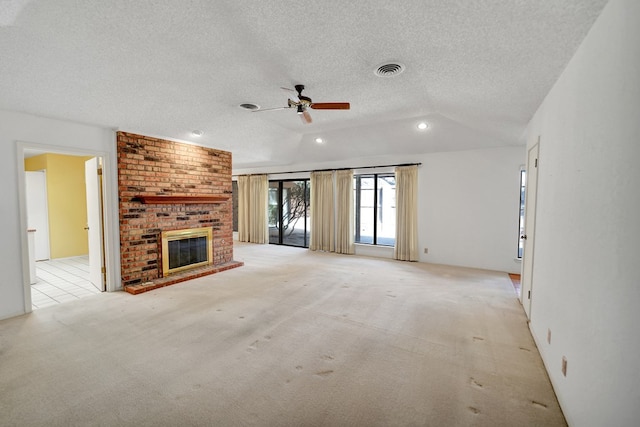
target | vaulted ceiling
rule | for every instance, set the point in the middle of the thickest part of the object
(476, 71)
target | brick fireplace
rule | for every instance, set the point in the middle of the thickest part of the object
(165, 186)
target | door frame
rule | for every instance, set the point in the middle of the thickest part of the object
(111, 230)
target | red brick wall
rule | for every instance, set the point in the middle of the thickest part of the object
(152, 166)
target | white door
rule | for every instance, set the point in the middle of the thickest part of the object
(38, 212)
(94, 222)
(531, 193)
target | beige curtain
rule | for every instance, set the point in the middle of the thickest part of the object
(406, 213)
(344, 212)
(252, 208)
(322, 212)
(259, 228)
(243, 208)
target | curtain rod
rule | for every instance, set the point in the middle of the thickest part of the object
(336, 169)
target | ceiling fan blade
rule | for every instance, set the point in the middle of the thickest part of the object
(271, 109)
(306, 117)
(330, 105)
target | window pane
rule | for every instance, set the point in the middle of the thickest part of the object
(386, 210)
(364, 195)
(274, 225)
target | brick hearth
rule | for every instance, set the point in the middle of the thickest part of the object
(181, 277)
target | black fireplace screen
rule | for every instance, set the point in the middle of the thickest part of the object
(187, 251)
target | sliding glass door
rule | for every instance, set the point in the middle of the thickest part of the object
(289, 212)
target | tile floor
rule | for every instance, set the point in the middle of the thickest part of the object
(61, 280)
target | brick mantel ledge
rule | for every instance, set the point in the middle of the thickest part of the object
(171, 200)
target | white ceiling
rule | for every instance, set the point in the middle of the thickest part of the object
(476, 70)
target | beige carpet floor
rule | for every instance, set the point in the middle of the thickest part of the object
(293, 338)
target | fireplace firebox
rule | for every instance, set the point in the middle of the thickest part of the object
(186, 249)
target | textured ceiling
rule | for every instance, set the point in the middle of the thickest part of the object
(476, 70)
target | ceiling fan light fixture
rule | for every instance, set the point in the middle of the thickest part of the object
(249, 106)
(304, 104)
(389, 69)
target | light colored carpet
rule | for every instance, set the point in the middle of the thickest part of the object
(293, 338)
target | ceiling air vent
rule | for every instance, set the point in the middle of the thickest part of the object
(250, 107)
(389, 69)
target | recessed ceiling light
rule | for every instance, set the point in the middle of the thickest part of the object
(197, 132)
(319, 140)
(423, 125)
(250, 107)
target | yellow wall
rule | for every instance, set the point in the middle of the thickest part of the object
(67, 202)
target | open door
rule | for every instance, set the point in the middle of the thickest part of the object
(531, 195)
(93, 178)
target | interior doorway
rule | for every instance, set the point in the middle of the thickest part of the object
(73, 208)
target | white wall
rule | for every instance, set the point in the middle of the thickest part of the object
(468, 205)
(30, 130)
(585, 285)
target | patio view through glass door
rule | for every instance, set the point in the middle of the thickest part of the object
(289, 222)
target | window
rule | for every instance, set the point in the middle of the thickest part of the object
(523, 180)
(375, 209)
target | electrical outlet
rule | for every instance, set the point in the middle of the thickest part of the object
(549, 336)
(426, 250)
(564, 366)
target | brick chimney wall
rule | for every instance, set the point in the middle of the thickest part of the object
(156, 167)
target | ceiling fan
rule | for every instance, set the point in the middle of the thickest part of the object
(305, 102)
